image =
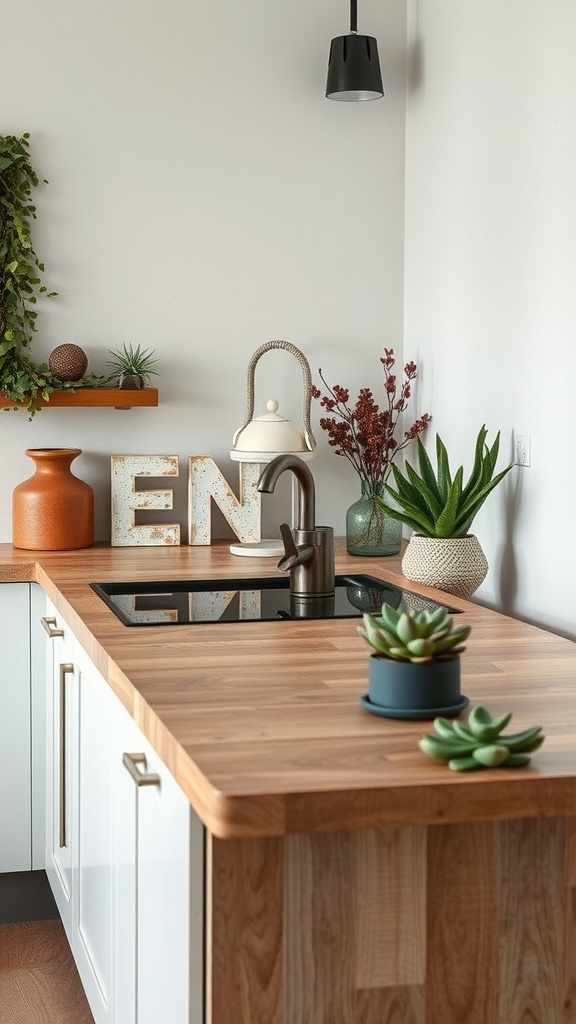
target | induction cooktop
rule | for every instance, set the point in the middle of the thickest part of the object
(253, 599)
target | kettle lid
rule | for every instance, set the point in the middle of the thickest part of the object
(271, 433)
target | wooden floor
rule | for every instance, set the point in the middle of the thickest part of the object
(39, 983)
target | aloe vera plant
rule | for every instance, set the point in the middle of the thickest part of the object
(413, 636)
(435, 503)
(480, 742)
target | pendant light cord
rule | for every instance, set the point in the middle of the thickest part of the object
(354, 16)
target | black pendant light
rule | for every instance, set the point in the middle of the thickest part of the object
(353, 65)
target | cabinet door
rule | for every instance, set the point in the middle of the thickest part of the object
(15, 772)
(160, 866)
(124, 851)
(92, 935)
(38, 645)
(61, 681)
(81, 725)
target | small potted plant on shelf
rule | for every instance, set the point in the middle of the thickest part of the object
(440, 509)
(414, 668)
(132, 367)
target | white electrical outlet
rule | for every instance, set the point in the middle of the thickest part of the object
(522, 449)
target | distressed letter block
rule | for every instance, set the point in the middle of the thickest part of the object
(126, 500)
(206, 482)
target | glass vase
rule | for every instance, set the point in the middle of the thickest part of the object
(369, 531)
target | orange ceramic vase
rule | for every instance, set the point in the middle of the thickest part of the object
(53, 510)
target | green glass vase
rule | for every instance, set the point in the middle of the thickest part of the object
(369, 531)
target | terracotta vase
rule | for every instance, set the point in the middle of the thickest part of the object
(53, 510)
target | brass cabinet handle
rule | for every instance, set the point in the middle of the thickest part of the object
(49, 624)
(144, 778)
(65, 669)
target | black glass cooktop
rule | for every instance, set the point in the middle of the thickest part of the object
(185, 602)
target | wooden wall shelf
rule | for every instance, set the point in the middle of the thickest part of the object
(111, 398)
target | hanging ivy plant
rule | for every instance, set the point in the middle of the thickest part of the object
(22, 380)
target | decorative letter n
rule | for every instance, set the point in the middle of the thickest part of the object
(206, 482)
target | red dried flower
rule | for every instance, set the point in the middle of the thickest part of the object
(363, 433)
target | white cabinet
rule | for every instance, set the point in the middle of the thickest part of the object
(92, 937)
(38, 654)
(22, 728)
(15, 717)
(79, 857)
(81, 726)
(160, 890)
(124, 852)
(60, 708)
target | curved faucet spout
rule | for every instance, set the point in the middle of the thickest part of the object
(308, 549)
(306, 495)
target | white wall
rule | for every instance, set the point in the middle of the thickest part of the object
(490, 301)
(204, 197)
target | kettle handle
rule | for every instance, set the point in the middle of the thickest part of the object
(306, 383)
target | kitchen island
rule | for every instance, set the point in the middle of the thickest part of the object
(350, 879)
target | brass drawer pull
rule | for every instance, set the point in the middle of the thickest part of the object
(49, 624)
(65, 669)
(130, 762)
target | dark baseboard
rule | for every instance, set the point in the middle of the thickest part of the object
(26, 896)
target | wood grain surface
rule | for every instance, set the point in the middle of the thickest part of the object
(113, 398)
(261, 724)
(350, 879)
(463, 924)
(39, 982)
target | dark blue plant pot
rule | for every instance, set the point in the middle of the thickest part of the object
(404, 686)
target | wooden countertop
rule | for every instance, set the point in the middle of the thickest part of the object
(260, 723)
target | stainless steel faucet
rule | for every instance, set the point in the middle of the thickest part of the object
(308, 549)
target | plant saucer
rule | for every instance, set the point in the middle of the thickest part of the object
(414, 713)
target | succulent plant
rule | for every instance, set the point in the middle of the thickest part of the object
(435, 504)
(479, 742)
(413, 636)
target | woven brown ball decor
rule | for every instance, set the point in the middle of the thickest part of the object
(68, 362)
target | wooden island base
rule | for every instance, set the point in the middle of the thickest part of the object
(445, 924)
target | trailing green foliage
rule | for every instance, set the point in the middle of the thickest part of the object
(21, 281)
(434, 503)
(479, 743)
(22, 381)
(413, 636)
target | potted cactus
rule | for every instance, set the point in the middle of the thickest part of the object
(414, 667)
